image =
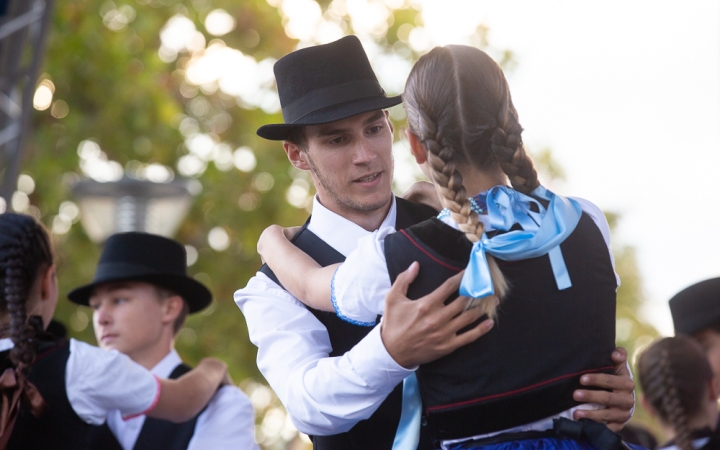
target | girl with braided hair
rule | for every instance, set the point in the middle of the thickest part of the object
(537, 263)
(53, 391)
(678, 390)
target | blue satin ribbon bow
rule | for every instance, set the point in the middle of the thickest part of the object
(542, 232)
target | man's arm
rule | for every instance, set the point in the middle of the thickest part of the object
(329, 395)
(619, 402)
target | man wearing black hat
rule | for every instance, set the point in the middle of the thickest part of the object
(339, 382)
(140, 297)
(696, 312)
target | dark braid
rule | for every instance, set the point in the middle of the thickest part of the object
(674, 374)
(24, 251)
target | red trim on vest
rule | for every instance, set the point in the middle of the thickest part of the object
(516, 391)
(442, 263)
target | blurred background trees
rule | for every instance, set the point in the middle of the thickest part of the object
(157, 89)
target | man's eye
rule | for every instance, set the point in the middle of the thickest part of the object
(336, 141)
(376, 129)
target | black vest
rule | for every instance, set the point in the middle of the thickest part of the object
(155, 433)
(60, 427)
(377, 432)
(528, 365)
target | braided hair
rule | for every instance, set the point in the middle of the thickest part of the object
(458, 105)
(674, 374)
(25, 250)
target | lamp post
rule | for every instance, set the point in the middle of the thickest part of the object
(133, 205)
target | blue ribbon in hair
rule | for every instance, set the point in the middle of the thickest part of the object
(543, 229)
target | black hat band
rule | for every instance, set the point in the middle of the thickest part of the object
(330, 96)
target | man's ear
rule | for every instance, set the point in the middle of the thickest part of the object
(416, 148)
(173, 305)
(296, 155)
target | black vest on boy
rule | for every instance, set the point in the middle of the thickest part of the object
(377, 432)
(155, 433)
(528, 365)
(60, 427)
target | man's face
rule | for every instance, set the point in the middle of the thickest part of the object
(709, 339)
(127, 316)
(351, 162)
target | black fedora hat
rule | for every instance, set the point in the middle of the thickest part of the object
(696, 307)
(323, 84)
(145, 257)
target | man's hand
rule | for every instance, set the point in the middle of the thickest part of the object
(618, 403)
(424, 193)
(423, 330)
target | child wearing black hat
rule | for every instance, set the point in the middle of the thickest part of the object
(55, 393)
(140, 296)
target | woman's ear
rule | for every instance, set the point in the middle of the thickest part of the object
(48, 284)
(416, 148)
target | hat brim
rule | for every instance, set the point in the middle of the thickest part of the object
(280, 131)
(193, 292)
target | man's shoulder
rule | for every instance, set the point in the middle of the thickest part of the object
(409, 213)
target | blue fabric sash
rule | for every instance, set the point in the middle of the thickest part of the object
(408, 432)
(542, 232)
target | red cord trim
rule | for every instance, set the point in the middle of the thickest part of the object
(516, 391)
(442, 263)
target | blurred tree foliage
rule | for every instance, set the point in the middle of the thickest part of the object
(117, 83)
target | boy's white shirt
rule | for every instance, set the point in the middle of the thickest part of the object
(228, 422)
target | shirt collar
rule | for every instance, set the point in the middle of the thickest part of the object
(339, 232)
(164, 368)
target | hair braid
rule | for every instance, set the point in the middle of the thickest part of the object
(674, 373)
(507, 147)
(24, 251)
(454, 197)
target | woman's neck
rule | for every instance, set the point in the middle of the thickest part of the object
(476, 180)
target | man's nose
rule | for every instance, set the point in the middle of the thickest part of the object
(102, 313)
(364, 152)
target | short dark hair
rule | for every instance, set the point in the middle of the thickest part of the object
(297, 136)
(165, 293)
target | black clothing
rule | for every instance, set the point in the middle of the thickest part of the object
(527, 367)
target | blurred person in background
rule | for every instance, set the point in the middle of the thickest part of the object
(679, 391)
(140, 297)
(55, 393)
(342, 383)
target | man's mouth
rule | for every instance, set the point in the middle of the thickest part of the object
(369, 178)
(108, 337)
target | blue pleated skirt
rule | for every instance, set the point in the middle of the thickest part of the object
(546, 443)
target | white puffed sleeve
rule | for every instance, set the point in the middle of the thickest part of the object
(361, 283)
(98, 381)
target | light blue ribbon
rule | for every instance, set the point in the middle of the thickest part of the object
(543, 230)
(408, 432)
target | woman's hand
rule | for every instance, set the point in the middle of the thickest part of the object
(269, 238)
(424, 193)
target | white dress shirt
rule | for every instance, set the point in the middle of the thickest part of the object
(98, 382)
(228, 422)
(322, 395)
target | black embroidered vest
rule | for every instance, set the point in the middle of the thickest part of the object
(155, 433)
(377, 432)
(528, 365)
(60, 427)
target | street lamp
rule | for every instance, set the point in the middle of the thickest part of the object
(133, 205)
